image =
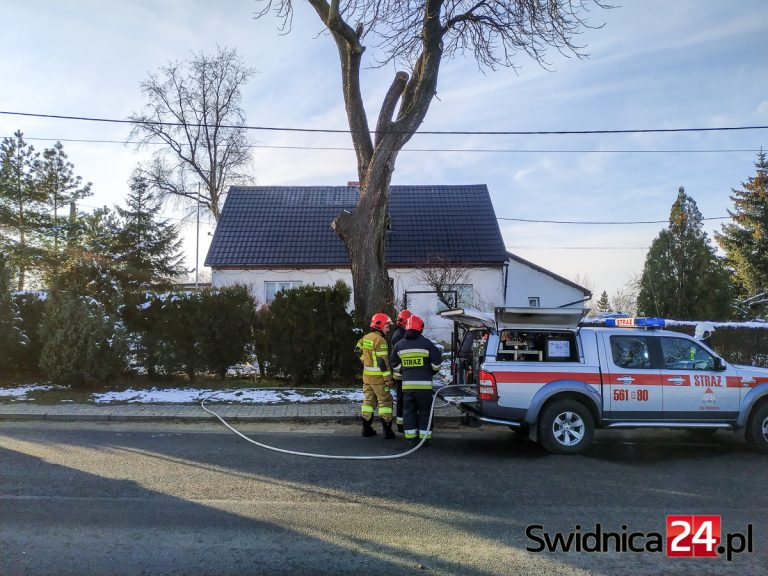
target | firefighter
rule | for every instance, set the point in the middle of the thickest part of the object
(417, 359)
(397, 335)
(377, 376)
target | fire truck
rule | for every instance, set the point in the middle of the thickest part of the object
(544, 372)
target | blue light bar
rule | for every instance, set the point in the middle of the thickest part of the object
(634, 322)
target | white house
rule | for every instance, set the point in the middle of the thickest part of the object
(273, 238)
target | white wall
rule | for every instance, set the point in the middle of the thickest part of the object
(525, 282)
(487, 285)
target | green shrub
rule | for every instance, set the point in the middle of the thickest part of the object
(82, 344)
(12, 337)
(306, 335)
(190, 332)
(227, 318)
(30, 305)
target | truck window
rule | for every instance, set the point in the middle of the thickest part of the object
(684, 354)
(533, 346)
(630, 352)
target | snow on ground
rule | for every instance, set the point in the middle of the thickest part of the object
(20, 392)
(243, 395)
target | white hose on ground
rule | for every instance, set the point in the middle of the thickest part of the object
(328, 456)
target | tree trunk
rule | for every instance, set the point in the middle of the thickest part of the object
(363, 232)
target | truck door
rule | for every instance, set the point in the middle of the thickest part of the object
(693, 389)
(633, 381)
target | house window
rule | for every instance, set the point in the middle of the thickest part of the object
(464, 293)
(533, 301)
(272, 288)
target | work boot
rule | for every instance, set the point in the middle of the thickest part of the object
(368, 429)
(388, 433)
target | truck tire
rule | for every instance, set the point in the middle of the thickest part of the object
(566, 427)
(757, 429)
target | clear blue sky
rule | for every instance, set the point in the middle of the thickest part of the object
(655, 64)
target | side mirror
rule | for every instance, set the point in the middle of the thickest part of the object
(719, 364)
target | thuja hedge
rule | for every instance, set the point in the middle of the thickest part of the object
(190, 331)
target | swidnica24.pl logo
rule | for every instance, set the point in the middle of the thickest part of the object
(686, 536)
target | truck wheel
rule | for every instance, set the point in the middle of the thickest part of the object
(566, 427)
(757, 430)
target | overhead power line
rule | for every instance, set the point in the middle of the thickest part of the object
(432, 132)
(408, 149)
(601, 222)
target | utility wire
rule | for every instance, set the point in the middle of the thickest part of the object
(432, 132)
(474, 150)
(601, 222)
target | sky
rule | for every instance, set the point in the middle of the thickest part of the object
(653, 64)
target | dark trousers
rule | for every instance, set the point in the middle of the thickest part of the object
(416, 413)
(399, 397)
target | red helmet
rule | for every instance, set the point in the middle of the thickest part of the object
(414, 323)
(380, 320)
(402, 318)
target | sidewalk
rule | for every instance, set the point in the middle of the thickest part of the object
(186, 413)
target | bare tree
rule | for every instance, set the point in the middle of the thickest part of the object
(419, 34)
(193, 108)
(443, 278)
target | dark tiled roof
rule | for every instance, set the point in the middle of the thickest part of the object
(290, 226)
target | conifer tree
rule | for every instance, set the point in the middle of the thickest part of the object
(148, 247)
(603, 304)
(82, 343)
(20, 206)
(58, 186)
(682, 277)
(12, 337)
(745, 239)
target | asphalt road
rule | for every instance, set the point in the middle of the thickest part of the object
(196, 499)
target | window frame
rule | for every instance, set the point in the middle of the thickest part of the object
(294, 284)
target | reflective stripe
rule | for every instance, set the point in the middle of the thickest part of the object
(384, 410)
(411, 433)
(383, 354)
(417, 385)
(364, 343)
(397, 375)
(436, 366)
(425, 434)
(413, 355)
(421, 351)
(367, 409)
(376, 372)
(399, 419)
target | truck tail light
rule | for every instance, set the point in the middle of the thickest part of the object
(487, 386)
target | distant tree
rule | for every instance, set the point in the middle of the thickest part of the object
(745, 239)
(445, 278)
(12, 337)
(682, 276)
(21, 214)
(418, 34)
(193, 107)
(148, 247)
(58, 187)
(89, 268)
(603, 304)
(625, 298)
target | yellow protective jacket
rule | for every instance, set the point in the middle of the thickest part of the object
(374, 353)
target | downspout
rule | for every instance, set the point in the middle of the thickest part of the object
(506, 277)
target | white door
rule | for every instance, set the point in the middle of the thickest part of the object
(634, 386)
